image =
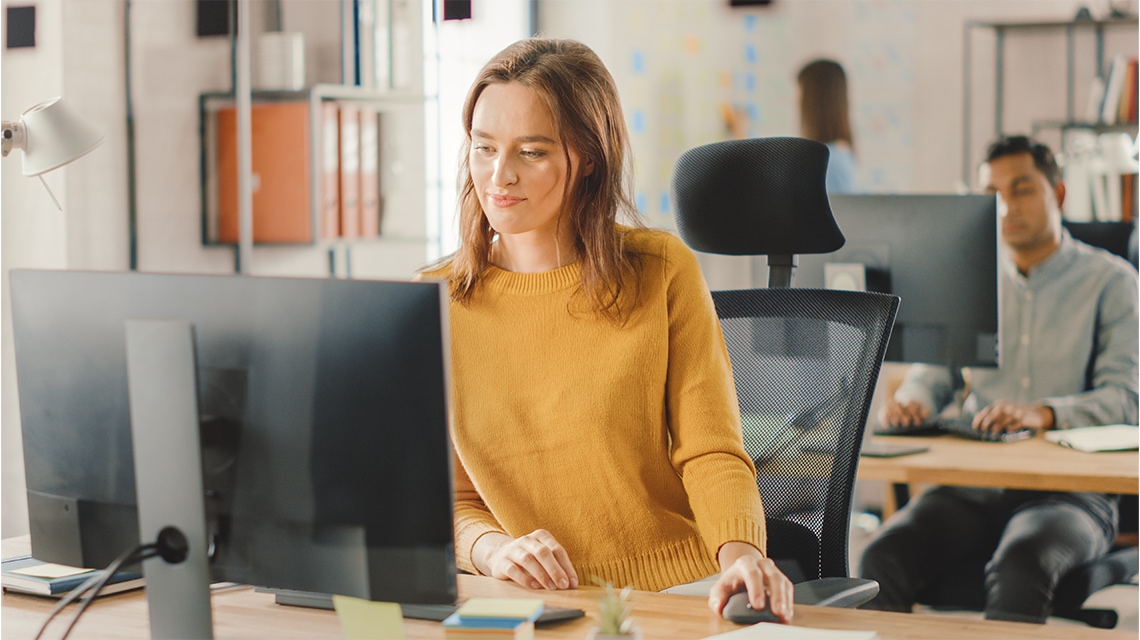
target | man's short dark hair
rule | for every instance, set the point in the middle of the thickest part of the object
(1042, 157)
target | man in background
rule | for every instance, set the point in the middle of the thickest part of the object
(1069, 359)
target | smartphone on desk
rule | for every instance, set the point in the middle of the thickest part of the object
(877, 449)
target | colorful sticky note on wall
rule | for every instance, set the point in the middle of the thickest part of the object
(367, 620)
(638, 62)
(637, 121)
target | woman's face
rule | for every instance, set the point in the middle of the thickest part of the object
(518, 164)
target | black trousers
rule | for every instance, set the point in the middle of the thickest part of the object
(1027, 540)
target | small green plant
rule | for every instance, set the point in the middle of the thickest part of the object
(614, 609)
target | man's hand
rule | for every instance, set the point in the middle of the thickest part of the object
(535, 561)
(903, 414)
(1012, 416)
(742, 565)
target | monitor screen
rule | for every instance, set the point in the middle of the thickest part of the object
(323, 412)
(938, 253)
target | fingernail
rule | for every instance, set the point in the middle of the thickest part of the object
(574, 583)
(534, 584)
(563, 583)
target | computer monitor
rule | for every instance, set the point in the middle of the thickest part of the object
(938, 253)
(323, 408)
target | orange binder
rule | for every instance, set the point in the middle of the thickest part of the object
(280, 145)
(329, 217)
(370, 206)
(349, 171)
(1123, 112)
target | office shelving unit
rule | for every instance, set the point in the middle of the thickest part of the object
(1070, 29)
(387, 81)
(399, 112)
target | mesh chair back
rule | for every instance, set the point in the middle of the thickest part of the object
(805, 364)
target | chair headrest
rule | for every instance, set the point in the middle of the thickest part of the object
(761, 196)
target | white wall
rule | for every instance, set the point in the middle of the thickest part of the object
(32, 231)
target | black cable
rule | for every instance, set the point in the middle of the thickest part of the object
(108, 573)
(97, 581)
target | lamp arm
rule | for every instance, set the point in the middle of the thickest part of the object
(13, 137)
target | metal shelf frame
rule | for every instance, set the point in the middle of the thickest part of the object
(1000, 30)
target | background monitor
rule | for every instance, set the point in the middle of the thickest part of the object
(938, 253)
(323, 408)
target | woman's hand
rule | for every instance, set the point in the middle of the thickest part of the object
(535, 561)
(742, 566)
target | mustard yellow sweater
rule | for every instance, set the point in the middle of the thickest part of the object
(623, 442)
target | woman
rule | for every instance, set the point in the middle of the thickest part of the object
(596, 426)
(823, 118)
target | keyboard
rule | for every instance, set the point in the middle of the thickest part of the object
(964, 427)
(961, 426)
(435, 612)
(908, 430)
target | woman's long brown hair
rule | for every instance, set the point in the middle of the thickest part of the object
(582, 98)
(823, 102)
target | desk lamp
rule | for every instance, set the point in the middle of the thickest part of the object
(51, 134)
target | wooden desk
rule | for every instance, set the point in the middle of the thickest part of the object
(1030, 464)
(239, 612)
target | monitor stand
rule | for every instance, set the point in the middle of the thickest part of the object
(162, 383)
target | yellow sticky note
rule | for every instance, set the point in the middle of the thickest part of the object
(517, 608)
(364, 619)
(49, 570)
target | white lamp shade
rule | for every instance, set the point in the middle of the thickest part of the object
(1119, 153)
(55, 135)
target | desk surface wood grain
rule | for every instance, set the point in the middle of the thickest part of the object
(240, 612)
(1030, 464)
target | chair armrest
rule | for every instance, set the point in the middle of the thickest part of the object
(844, 593)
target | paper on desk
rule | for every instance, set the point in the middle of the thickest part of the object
(50, 571)
(364, 619)
(1115, 437)
(772, 631)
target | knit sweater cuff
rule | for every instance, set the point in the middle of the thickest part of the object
(740, 530)
(466, 536)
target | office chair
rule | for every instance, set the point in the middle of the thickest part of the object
(805, 361)
(1113, 237)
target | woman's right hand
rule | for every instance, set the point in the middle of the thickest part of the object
(535, 561)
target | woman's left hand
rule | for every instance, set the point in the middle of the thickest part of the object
(744, 567)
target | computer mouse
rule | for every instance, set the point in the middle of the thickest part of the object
(738, 610)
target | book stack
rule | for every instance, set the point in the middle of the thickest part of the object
(28, 575)
(494, 619)
(1118, 100)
